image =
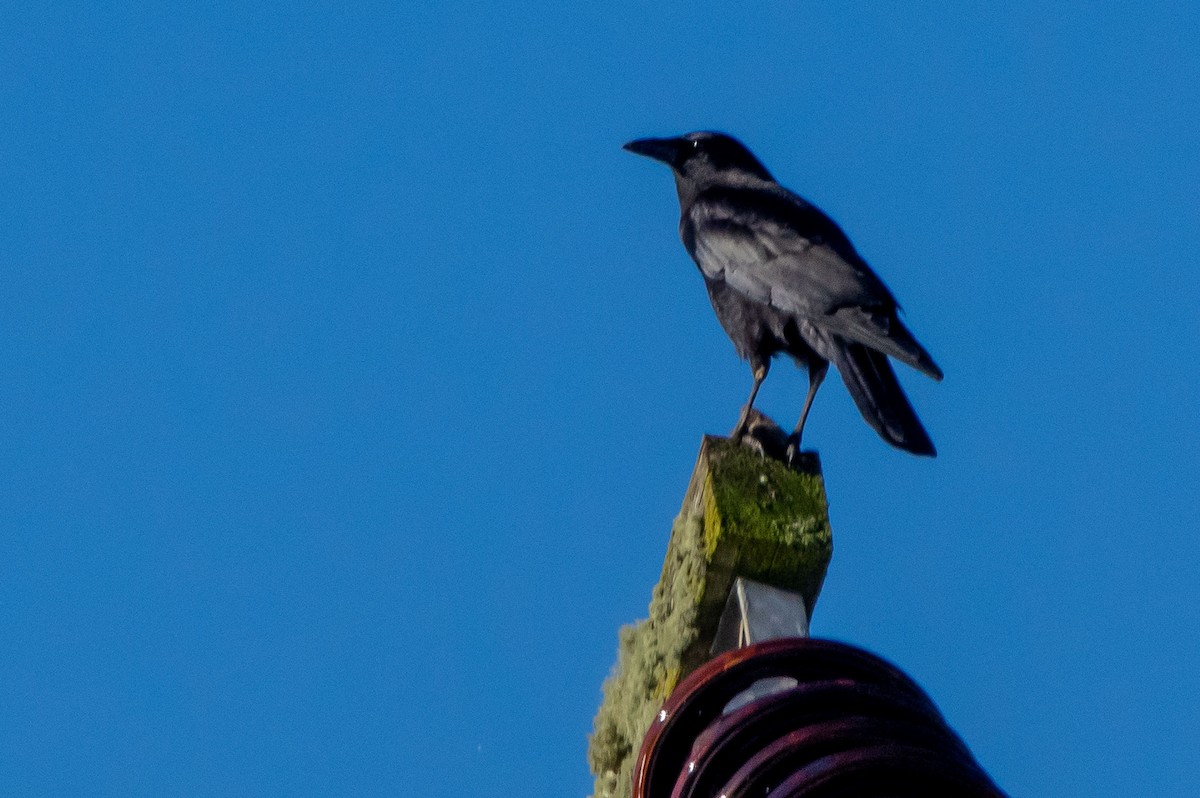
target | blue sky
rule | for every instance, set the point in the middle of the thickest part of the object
(352, 376)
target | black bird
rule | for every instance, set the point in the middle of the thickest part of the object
(783, 277)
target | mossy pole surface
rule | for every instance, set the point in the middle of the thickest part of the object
(743, 515)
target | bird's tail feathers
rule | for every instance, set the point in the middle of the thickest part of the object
(877, 393)
(917, 357)
(887, 334)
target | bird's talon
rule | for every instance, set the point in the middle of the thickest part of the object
(792, 453)
(741, 430)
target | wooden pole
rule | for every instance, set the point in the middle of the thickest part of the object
(744, 514)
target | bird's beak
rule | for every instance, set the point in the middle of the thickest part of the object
(666, 150)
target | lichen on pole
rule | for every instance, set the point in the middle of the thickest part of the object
(745, 513)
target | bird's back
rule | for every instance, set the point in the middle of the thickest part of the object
(788, 261)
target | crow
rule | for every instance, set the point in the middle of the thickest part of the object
(784, 278)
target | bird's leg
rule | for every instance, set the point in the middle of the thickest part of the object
(760, 369)
(816, 374)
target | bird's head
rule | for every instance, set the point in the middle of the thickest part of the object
(702, 155)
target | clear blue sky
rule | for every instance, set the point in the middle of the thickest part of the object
(351, 376)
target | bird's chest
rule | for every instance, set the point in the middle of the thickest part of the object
(754, 328)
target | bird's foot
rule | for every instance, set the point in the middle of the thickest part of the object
(741, 430)
(792, 452)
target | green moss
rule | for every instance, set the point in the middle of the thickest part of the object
(649, 662)
(763, 499)
(774, 517)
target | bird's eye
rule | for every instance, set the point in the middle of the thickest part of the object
(695, 144)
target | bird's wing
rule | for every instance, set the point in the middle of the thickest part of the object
(779, 250)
